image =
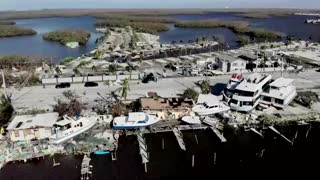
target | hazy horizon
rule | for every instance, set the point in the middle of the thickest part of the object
(6, 5)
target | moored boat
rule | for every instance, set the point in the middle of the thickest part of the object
(70, 127)
(134, 120)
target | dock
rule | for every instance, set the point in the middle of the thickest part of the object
(281, 135)
(179, 137)
(143, 148)
(219, 135)
(86, 167)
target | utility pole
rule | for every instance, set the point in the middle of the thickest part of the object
(4, 84)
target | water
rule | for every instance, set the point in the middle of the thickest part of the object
(239, 157)
(287, 26)
(35, 45)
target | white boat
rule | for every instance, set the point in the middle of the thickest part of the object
(209, 104)
(248, 93)
(234, 81)
(134, 121)
(70, 127)
(191, 119)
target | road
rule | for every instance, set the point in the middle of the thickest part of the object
(37, 97)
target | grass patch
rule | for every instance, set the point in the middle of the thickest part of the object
(66, 60)
(11, 31)
(68, 35)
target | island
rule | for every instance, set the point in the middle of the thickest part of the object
(70, 37)
(11, 31)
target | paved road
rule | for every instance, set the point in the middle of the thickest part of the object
(43, 98)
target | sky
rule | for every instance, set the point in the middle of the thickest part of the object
(59, 4)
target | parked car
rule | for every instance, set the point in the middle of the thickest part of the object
(149, 77)
(63, 85)
(91, 84)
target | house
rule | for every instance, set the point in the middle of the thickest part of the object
(30, 127)
(280, 93)
(229, 63)
(164, 108)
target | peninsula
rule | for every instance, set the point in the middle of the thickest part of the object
(68, 35)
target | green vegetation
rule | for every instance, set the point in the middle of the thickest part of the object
(125, 89)
(307, 98)
(11, 31)
(145, 27)
(66, 60)
(239, 27)
(6, 110)
(98, 54)
(20, 61)
(131, 18)
(204, 86)
(212, 24)
(7, 22)
(151, 25)
(83, 63)
(243, 40)
(68, 35)
(191, 94)
(71, 104)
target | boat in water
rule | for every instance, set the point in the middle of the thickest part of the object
(233, 82)
(134, 120)
(209, 104)
(70, 127)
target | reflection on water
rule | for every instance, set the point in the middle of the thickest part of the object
(244, 155)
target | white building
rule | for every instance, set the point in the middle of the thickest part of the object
(29, 127)
(280, 93)
(247, 94)
(229, 63)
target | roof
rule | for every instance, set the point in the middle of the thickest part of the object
(253, 82)
(282, 82)
(209, 99)
(228, 58)
(165, 103)
(33, 121)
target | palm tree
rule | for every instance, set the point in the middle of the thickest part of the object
(125, 89)
(6, 109)
(94, 68)
(58, 70)
(112, 68)
(204, 86)
(76, 71)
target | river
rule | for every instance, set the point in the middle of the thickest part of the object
(35, 45)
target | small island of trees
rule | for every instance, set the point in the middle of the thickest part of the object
(68, 35)
(11, 30)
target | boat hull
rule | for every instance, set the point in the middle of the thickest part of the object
(72, 135)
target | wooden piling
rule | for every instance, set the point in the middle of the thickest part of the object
(214, 158)
(196, 137)
(162, 142)
(192, 163)
(145, 168)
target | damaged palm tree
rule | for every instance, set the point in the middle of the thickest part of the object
(204, 86)
(125, 89)
(71, 105)
(307, 98)
(6, 109)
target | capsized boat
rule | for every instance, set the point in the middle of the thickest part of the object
(209, 104)
(70, 127)
(134, 120)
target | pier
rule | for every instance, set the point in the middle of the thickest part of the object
(143, 150)
(281, 135)
(86, 167)
(219, 135)
(179, 137)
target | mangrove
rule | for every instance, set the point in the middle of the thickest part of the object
(11, 31)
(68, 35)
